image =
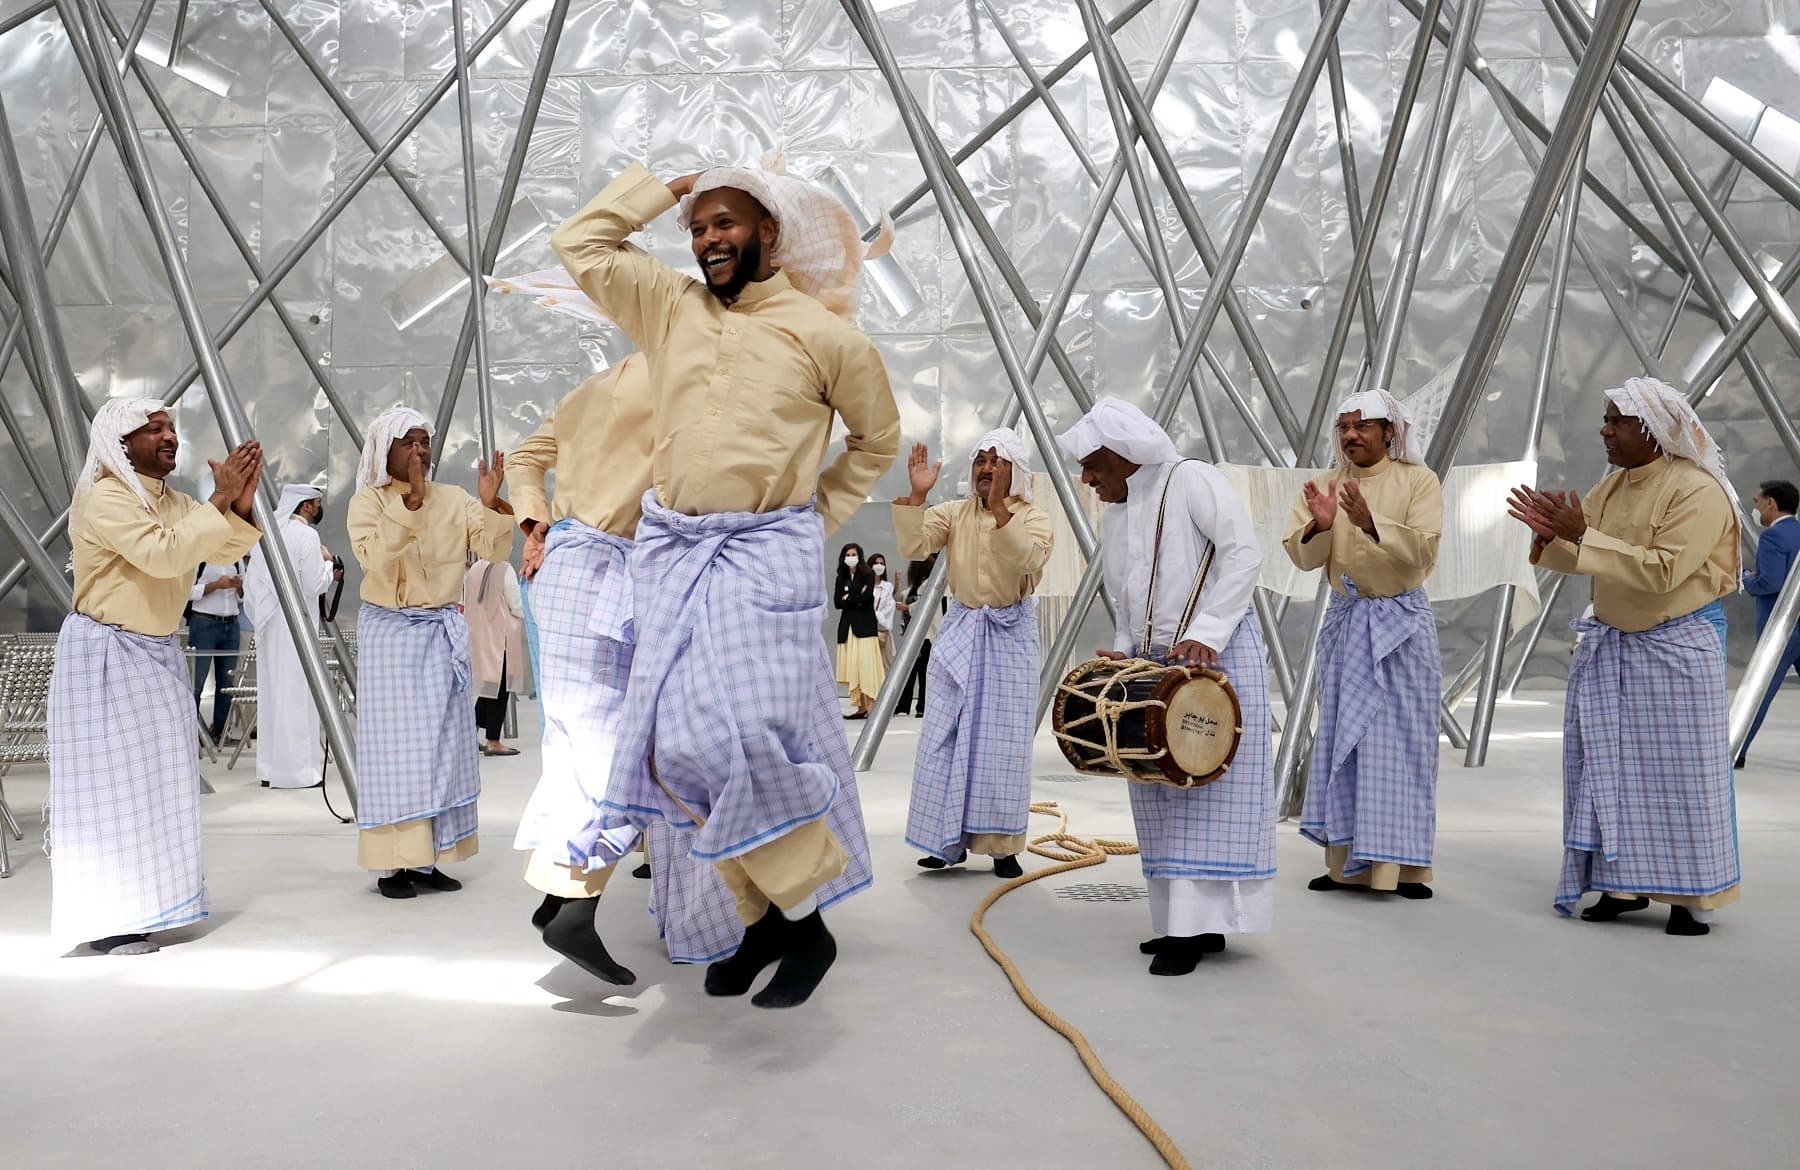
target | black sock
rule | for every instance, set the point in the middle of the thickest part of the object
(1008, 867)
(1683, 922)
(546, 910)
(642, 871)
(1211, 944)
(571, 934)
(764, 942)
(810, 952)
(1417, 891)
(1609, 908)
(933, 863)
(1179, 956)
(1326, 882)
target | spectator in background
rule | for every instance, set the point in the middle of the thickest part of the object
(859, 644)
(916, 573)
(496, 616)
(1776, 551)
(213, 635)
(884, 611)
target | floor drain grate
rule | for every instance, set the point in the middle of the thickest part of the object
(1066, 778)
(1102, 892)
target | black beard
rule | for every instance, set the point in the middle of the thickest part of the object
(749, 263)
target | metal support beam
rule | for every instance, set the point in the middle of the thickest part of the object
(1362, 292)
(474, 324)
(1538, 627)
(37, 309)
(246, 250)
(1191, 220)
(226, 404)
(477, 317)
(1765, 660)
(1540, 207)
(1324, 396)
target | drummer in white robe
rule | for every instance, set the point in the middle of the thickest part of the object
(1208, 852)
(290, 751)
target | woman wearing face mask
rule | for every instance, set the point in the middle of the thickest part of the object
(884, 611)
(859, 647)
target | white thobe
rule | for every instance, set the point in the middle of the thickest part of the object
(289, 750)
(1203, 511)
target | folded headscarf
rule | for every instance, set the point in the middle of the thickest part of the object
(372, 469)
(1007, 444)
(816, 241)
(1404, 447)
(1122, 429)
(293, 495)
(1671, 421)
(106, 445)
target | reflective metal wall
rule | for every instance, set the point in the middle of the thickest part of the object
(686, 83)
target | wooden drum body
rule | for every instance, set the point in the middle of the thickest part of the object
(1176, 725)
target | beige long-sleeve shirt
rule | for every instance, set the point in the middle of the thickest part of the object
(1661, 542)
(744, 393)
(135, 570)
(1407, 504)
(416, 560)
(989, 565)
(598, 440)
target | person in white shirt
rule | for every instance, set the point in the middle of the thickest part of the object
(214, 636)
(290, 752)
(884, 609)
(495, 611)
(1208, 852)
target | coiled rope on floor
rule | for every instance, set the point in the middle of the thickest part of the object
(1071, 853)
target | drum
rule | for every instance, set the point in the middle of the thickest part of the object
(1152, 724)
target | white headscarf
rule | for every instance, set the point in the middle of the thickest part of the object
(816, 241)
(293, 495)
(1405, 447)
(106, 445)
(1122, 429)
(1671, 421)
(1007, 444)
(372, 470)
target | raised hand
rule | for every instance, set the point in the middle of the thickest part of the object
(246, 498)
(489, 480)
(1356, 507)
(922, 473)
(534, 551)
(1322, 505)
(414, 499)
(231, 474)
(684, 186)
(1548, 514)
(999, 488)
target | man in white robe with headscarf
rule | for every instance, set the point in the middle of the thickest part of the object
(1648, 808)
(971, 790)
(124, 810)
(290, 750)
(1373, 523)
(1208, 852)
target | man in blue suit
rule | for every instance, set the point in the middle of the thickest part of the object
(1776, 552)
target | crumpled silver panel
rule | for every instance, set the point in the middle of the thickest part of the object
(687, 83)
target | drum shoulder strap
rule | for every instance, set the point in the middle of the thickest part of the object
(1193, 601)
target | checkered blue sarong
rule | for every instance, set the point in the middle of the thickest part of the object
(581, 606)
(1656, 700)
(1223, 831)
(973, 769)
(124, 810)
(416, 752)
(580, 602)
(1372, 782)
(731, 696)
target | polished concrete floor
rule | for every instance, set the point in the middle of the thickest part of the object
(313, 1023)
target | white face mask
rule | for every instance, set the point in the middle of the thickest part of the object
(852, 561)
(879, 570)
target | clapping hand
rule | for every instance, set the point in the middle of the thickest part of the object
(1356, 506)
(1550, 515)
(1322, 505)
(236, 477)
